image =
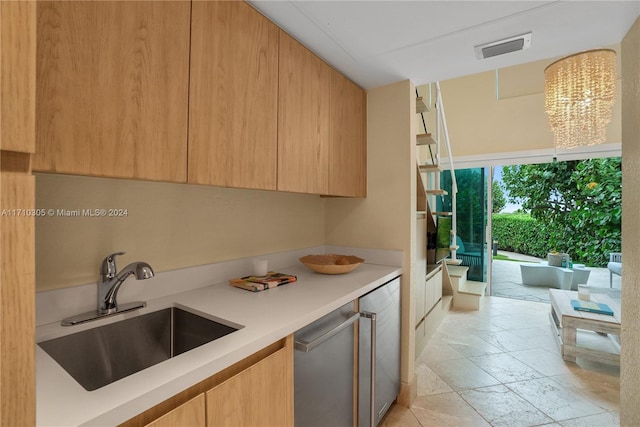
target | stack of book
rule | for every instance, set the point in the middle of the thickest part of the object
(591, 307)
(260, 283)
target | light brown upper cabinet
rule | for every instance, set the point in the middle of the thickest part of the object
(208, 92)
(348, 144)
(17, 76)
(112, 89)
(303, 119)
(233, 101)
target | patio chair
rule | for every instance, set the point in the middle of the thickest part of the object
(614, 266)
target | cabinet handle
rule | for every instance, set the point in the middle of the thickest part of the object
(372, 374)
(307, 346)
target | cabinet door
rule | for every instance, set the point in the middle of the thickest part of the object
(17, 75)
(233, 97)
(17, 293)
(437, 288)
(112, 87)
(434, 290)
(191, 414)
(348, 145)
(429, 295)
(303, 119)
(420, 301)
(261, 395)
(420, 270)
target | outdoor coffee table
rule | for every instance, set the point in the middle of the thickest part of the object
(565, 321)
(543, 274)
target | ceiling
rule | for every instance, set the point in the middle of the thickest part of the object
(380, 42)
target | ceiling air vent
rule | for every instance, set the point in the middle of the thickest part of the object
(500, 47)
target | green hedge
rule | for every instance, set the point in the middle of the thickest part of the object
(522, 234)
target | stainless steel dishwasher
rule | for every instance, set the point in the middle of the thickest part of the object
(323, 370)
(379, 352)
(324, 362)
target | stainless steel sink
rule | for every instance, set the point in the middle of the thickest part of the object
(100, 356)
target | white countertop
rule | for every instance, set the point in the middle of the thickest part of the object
(265, 316)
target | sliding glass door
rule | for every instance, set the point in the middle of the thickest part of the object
(472, 207)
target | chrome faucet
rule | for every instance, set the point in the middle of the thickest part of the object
(110, 282)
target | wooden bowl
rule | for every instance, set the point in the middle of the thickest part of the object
(331, 263)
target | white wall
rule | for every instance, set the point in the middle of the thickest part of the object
(169, 226)
(630, 374)
(494, 117)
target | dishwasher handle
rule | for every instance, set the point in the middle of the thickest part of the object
(307, 346)
(372, 373)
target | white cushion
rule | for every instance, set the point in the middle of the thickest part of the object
(615, 267)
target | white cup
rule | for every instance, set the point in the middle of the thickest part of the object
(260, 267)
(584, 292)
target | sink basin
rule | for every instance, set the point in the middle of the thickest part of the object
(100, 356)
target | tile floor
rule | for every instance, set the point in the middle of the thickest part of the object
(500, 366)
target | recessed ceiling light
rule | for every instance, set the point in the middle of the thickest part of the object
(500, 47)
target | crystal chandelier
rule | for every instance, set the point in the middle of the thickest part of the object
(580, 91)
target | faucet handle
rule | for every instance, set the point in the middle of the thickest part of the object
(109, 269)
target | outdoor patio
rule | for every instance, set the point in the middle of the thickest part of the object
(506, 281)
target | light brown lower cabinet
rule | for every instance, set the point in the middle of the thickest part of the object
(257, 391)
(189, 414)
(261, 395)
